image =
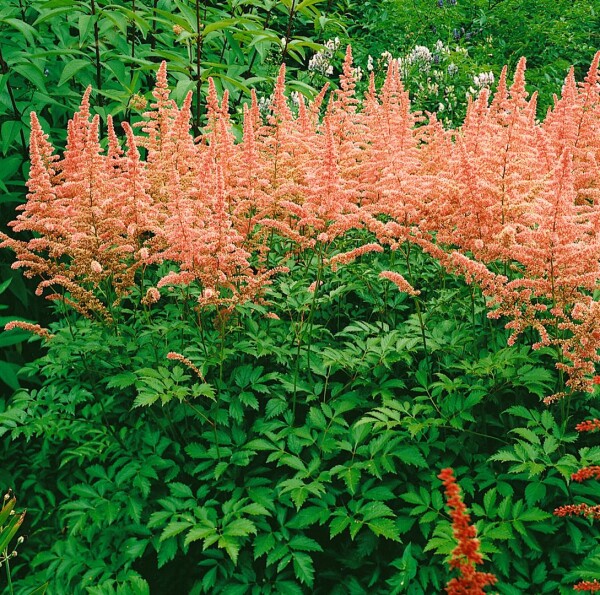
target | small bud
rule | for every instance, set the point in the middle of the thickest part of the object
(138, 102)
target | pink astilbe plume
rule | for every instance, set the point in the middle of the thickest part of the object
(392, 163)
(465, 556)
(400, 282)
(36, 329)
(498, 173)
(347, 257)
(573, 124)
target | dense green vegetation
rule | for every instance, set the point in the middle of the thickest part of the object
(296, 447)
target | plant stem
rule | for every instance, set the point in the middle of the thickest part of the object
(97, 52)
(8, 575)
(4, 69)
(288, 31)
(199, 42)
(153, 34)
(419, 313)
(132, 40)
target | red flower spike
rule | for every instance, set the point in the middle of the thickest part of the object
(466, 555)
(591, 586)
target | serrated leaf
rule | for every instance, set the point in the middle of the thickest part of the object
(379, 493)
(535, 492)
(275, 407)
(338, 524)
(167, 552)
(200, 532)
(239, 528)
(124, 380)
(410, 455)
(534, 515)
(384, 527)
(145, 399)
(303, 568)
(304, 544)
(180, 490)
(263, 544)
(231, 545)
(373, 510)
(173, 529)
(527, 434)
(293, 462)
(256, 509)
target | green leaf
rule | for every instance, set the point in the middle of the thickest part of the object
(240, 528)
(338, 524)
(303, 568)
(180, 490)
(304, 544)
(263, 544)
(145, 399)
(200, 532)
(373, 510)
(535, 492)
(71, 69)
(173, 529)
(167, 552)
(384, 527)
(13, 337)
(534, 515)
(410, 455)
(528, 435)
(124, 380)
(231, 545)
(26, 30)
(293, 462)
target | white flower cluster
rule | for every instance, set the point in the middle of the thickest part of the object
(452, 69)
(484, 79)
(264, 105)
(321, 61)
(386, 58)
(440, 48)
(420, 54)
(357, 73)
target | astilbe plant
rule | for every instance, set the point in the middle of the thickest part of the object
(501, 191)
(507, 202)
(466, 555)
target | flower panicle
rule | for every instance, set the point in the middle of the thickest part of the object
(589, 425)
(400, 282)
(348, 257)
(173, 355)
(591, 472)
(589, 586)
(583, 510)
(36, 329)
(466, 555)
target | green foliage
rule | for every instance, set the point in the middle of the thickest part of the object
(305, 457)
(478, 37)
(304, 460)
